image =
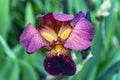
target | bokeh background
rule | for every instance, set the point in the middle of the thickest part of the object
(104, 63)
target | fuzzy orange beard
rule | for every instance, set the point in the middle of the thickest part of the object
(58, 50)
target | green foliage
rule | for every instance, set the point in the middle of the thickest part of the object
(29, 16)
(4, 17)
(16, 64)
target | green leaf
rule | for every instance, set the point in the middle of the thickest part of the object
(28, 72)
(18, 49)
(96, 47)
(80, 5)
(93, 74)
(87, 67)
(110, 23)
(4, 17)
(6, 48)
(71, 7)
(6, 68)
(113, 59)
(29, 15)
(14, 74)
(38, 62)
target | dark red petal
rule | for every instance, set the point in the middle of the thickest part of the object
(60, 64)
(50, 65)
(68, 65)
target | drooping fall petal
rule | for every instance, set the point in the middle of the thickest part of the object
(81, 36)
(31, 39)
(60, 65)
(50, 65)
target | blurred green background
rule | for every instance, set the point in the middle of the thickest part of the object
(16, 64)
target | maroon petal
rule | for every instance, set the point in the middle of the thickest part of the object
(81, 36)
(50, 65)
(68, 65)
(31, 39)
(55, 21)
(60, 64)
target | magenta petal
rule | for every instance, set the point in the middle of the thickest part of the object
(63, 17)
(58, 17)
(78, 17)
(81, 36)
(35, 44)
(31, 39)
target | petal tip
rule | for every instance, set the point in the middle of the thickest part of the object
(88, 17)
(79, 16)
(39, 16)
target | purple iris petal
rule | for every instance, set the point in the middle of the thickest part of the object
(81, 36)
(59, 17)
(78, 17)
(60, 64)
(31, 39)
(63, 17)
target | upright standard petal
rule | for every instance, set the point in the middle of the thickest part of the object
(81, 36)
(60, 65)
(78, 17)
(63, 17)
(59, 17)
(31, 39)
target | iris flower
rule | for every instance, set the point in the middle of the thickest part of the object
(59, 34)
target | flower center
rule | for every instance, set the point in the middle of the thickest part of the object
(58, 50)
(49, 34)
(58, 47)
(56, 36)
